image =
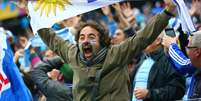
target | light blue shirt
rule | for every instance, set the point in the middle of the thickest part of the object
(142, 75)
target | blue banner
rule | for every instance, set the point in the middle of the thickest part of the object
(12, 86)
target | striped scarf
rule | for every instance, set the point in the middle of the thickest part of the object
(98, 58)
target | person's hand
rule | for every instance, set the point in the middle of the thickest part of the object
(141, 93)
(170, 6)
(195, 7)
(127, 10)
(117, 7)
(18, 54)
(167, 41)
(32, 50)
(106, 10)
(54, 74)
(128, 13)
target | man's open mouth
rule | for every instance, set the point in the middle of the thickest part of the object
(87, 49)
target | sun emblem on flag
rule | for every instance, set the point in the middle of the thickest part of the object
(47, 6)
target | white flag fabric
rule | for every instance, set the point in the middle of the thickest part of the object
(175, 23)
(75, 7)
(184, 16)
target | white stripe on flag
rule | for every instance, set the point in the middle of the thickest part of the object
(77, 7)
(3, 77)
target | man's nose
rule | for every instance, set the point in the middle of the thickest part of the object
(85, 40)
(114, 36)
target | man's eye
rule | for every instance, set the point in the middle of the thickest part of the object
(118, 33)
(91, 37)
(81, 38)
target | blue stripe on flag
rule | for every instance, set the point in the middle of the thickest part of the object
(186, 21)
(174, 23)
(89, 1)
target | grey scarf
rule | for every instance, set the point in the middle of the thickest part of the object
(98, 58)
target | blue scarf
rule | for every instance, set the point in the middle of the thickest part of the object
(142, 75)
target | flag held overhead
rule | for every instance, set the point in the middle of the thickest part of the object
(45, 13)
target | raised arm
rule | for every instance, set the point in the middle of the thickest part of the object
(136, 44)
(55, 43)
(181, 62)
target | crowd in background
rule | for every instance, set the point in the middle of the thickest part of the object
(122, 20)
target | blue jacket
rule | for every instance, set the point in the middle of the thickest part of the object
(182, 65)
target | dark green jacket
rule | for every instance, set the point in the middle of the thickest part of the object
(113, 85)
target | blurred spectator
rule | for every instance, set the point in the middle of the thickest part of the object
(154, 78)
(62, 76)
(195, 11)
(186, 65)
(108, 20)
(47, 82)
(128, 13)
(157, 8)
(120, 36)
(20, 53)
(48, 54)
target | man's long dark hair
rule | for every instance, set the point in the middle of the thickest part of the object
(103, 32)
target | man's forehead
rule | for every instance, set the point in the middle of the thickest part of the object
(84, 34)
(88, 30)
(190, 40)
(196, 39)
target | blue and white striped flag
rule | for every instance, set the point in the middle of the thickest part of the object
(186, 22)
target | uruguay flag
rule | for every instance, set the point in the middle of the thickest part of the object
(12, 87)
(44, 14)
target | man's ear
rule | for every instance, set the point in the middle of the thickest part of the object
(198, 52)
(158, 41)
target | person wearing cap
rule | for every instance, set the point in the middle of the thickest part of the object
(187, 65)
